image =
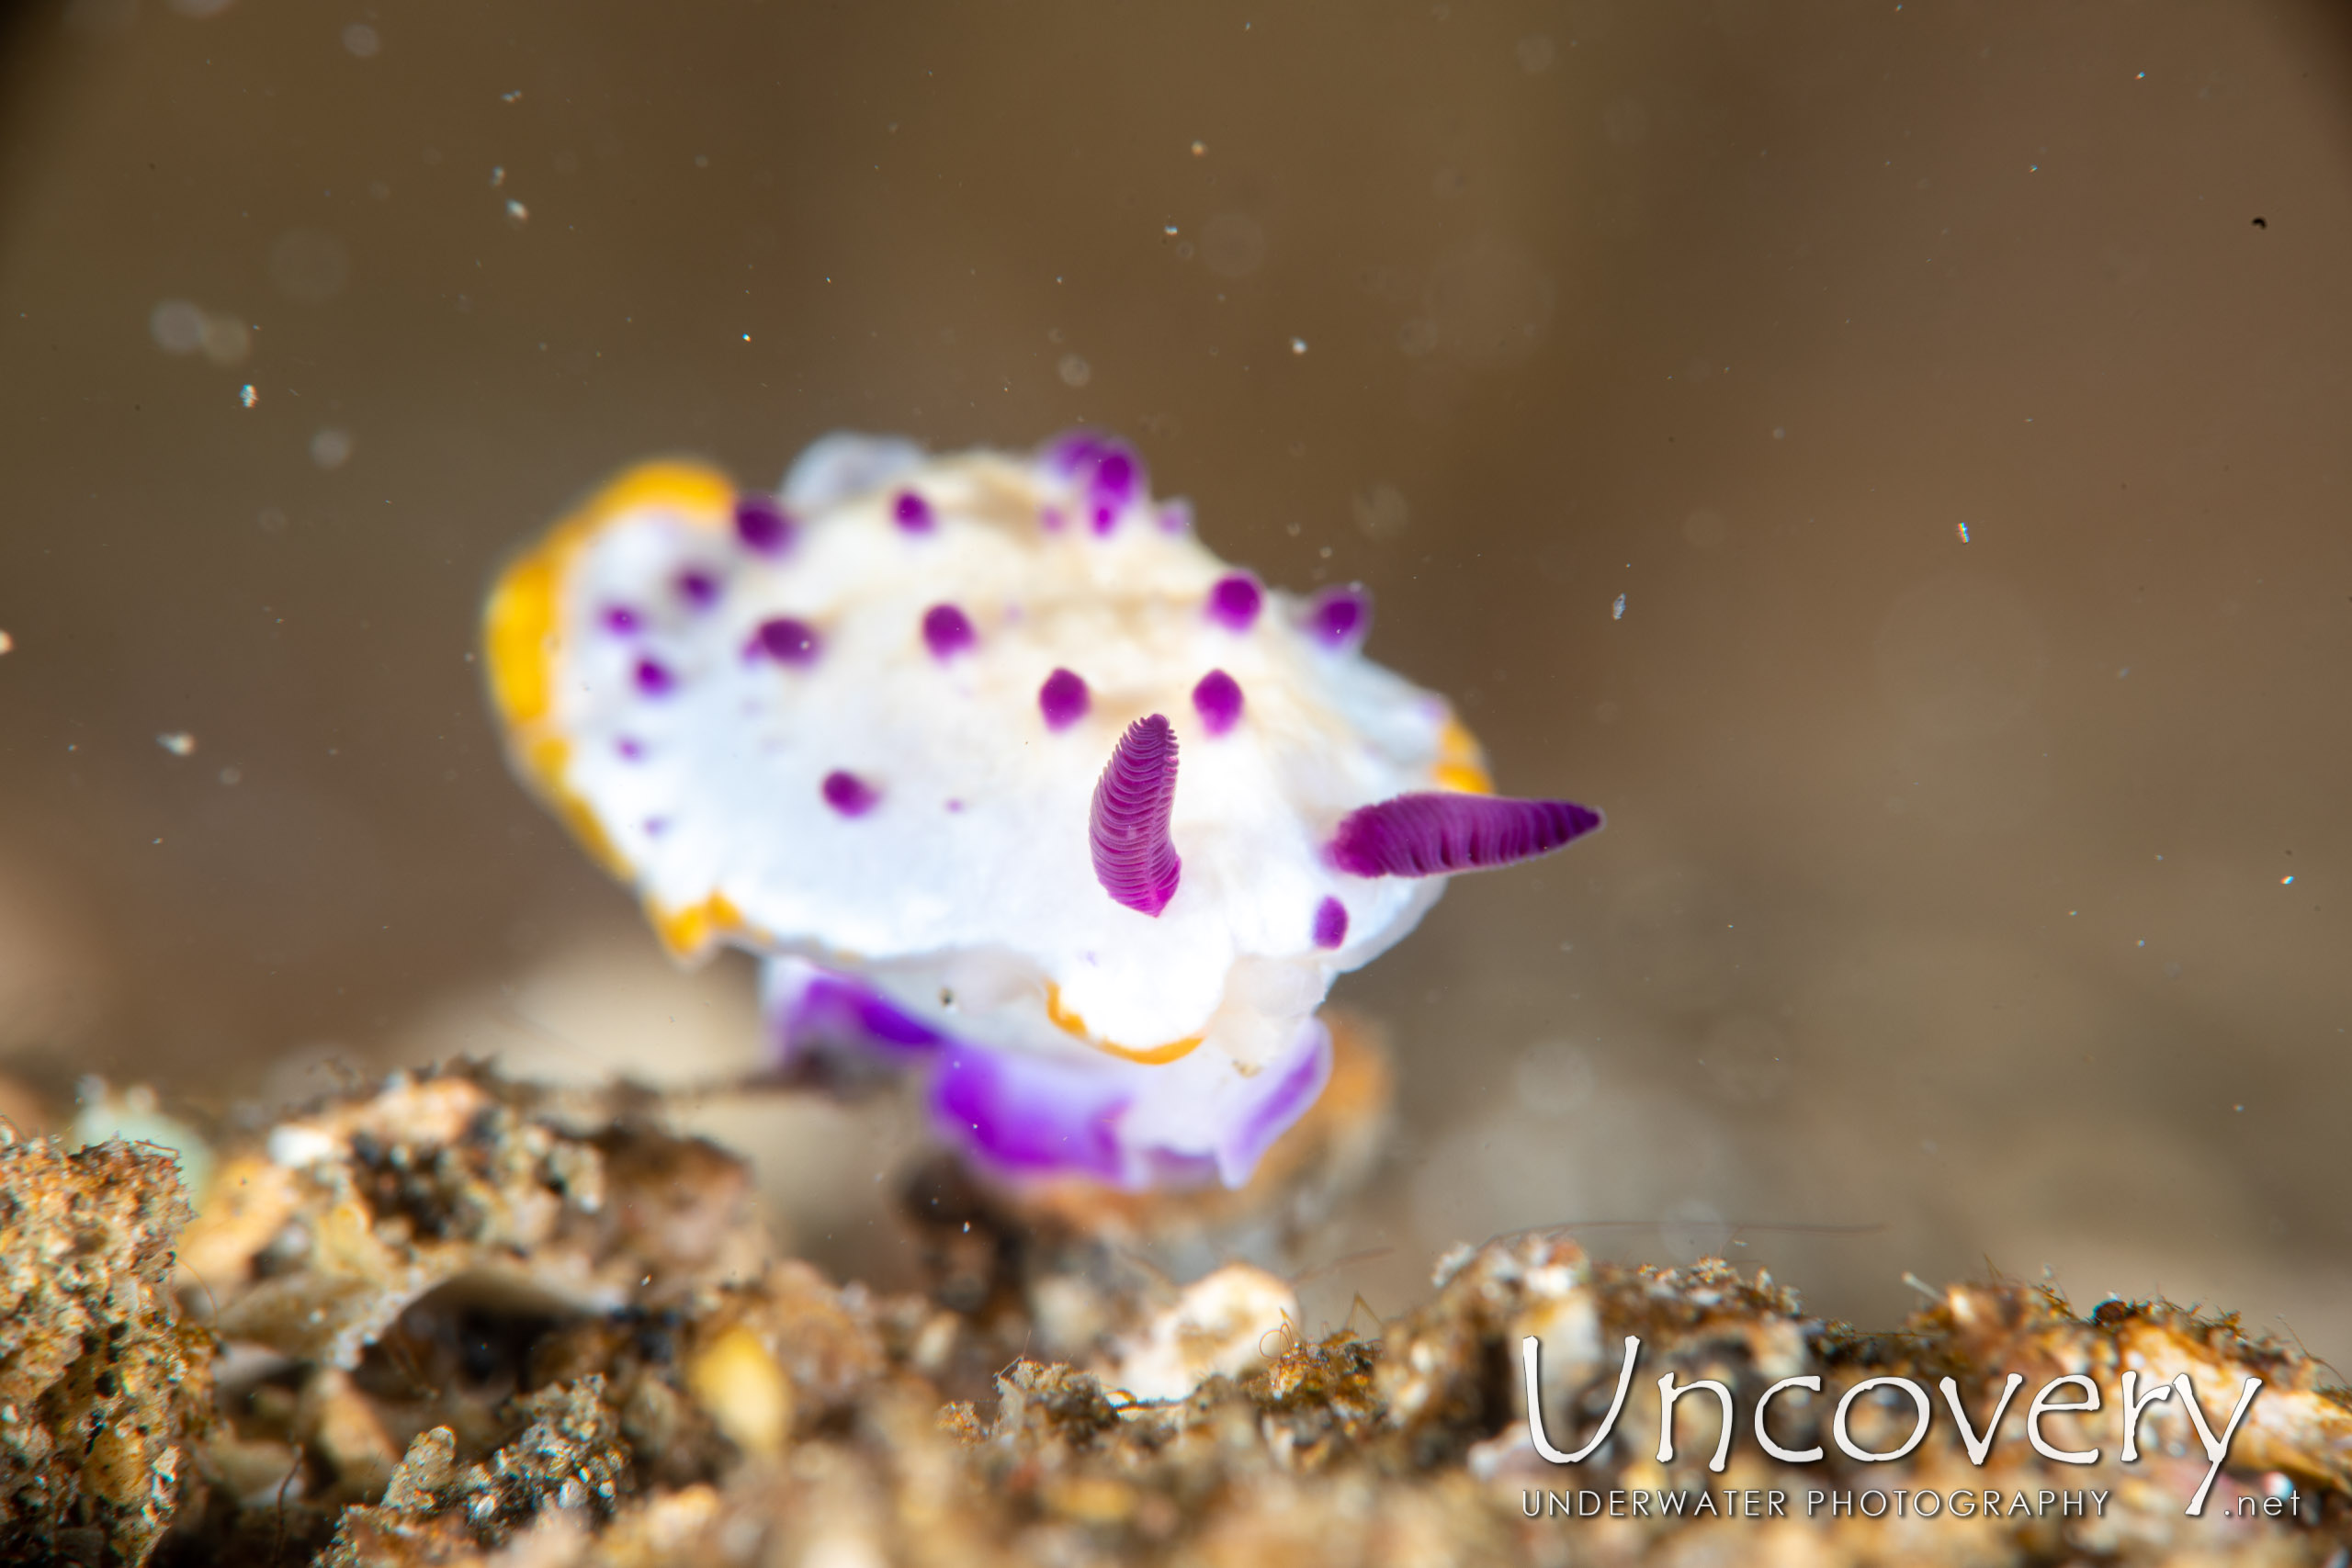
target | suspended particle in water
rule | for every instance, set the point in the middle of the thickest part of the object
(247, 396)
(497, 175)
(517, 214)
(1074, 370)
(331, 448)
(513, 94)
(1617, 611)
(1298, 345)
(176, 325)
(1200, 149)
(1963, 533)
(1169, 230)
(2288, 881)
(362, 41)
(8, 643)
(178, 742)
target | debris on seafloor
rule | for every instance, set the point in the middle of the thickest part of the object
(101, 1385)
(459, 1321)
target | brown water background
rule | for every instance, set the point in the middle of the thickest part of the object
(1945, 888)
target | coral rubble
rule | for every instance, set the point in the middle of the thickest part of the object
(461, 1321)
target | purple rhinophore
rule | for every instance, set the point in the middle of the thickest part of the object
(1043, 1112)
(912, 512)
(628, 748)
(1063, 699)
(1438, 834)
(1135, 858)
(1330, 923)
(762, 523)
(621, 618)
(947, 631)
(699, 588)
(653, 679)
(1217, 699)
(1235, 601)
(1341, 618)
(849, 795)
(785, 640)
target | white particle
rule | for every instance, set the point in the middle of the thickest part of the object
(247, 396)
(1963, 533)
(6, 642)
(1617, 611)
(517, 214)
(1169, 230)
(361, 39)
(331, 448)
(497, 175)
(512, 95)
(2287, 881)
(178, 742)
(1298, 345)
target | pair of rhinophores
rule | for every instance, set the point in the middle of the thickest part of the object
(1008, 779)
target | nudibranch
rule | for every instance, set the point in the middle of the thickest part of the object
(1007, 778)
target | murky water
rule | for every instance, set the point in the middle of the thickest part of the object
(1890, 460)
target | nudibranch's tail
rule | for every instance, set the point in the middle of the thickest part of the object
(1134, 859)
(1437, 835)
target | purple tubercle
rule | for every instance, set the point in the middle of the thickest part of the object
(1341, 618)
(629, 749)
(1106, 517)
(785, 640)
(1235, 601)
(1110, 471)
(1135, 858)
(947, 631)
(912, 512)
(1050, 518)
(762, 524)
(698, 589)
(1330, 923)
(1063, 699)
(849, 795)
(1438, 834)
(653, 679)
(1217, 699)
(621, 619)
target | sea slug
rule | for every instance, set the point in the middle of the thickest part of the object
(1005, 775)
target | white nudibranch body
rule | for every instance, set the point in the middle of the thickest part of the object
(1011, 780)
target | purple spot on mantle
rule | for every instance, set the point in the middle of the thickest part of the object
(1436, 835)
(1341, 618)
(1235, 602)
(1217, 699)
(1106, 517)
(1062, 699)
(1050, 519)
(1176, 517)
(912, 512)
(1330, 923)
(700, 589)
(947, 631)
(762, 524)
(628, 749)
(1135, 858)
(849, 795)
(785, 640)
(622, 619)
(653, 679)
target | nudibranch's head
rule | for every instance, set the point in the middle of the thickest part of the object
(1009, 776)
